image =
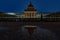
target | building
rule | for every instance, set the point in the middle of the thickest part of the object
(30, 12)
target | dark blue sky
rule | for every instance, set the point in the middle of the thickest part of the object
(20, 5)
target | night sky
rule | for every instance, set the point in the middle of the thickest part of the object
(20, 5)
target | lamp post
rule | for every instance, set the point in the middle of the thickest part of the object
(41, 17)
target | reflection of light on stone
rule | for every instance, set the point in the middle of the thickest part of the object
(30, 28)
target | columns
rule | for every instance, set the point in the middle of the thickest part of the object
(30, 14)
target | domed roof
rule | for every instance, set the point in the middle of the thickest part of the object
(30, 7)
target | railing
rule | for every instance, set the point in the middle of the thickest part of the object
(51, 17)
(23, 17)
(30, 19)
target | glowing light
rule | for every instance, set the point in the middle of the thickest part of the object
(11, 13)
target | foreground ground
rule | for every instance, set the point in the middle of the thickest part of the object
(13, 27)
